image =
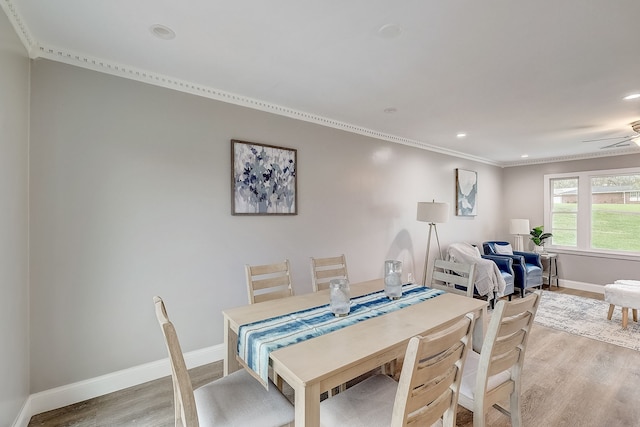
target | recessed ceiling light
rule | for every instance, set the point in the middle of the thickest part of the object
(632, 96)
(162, 32)
(390, 31)
(461, 135)
(524, 156)
(390, 110)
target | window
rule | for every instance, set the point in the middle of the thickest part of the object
(596, 211)
(564, 212)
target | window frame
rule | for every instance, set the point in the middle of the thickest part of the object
(583, 229)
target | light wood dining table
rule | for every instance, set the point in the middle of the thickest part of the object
(321, 363)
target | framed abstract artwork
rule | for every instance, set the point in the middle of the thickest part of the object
(466, 193)
(263, 179)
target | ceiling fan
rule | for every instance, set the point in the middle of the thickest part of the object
(623, 141)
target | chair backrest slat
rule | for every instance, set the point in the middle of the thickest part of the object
(271, 282)
(429, 390)
(504, 361)
(504, 345)
(268, 281)
(514, 324)
(325, 269)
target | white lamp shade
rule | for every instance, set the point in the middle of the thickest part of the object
(519, 226)
(436, 212)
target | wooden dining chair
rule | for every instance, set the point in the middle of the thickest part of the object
(453, 277)
(426, 394)
(325, 269)
(234, 400)
(269, 281)
(495, 374)
(322, 271)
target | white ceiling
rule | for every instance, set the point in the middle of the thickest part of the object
(519, 77)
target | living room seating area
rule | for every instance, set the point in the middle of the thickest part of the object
(526, 265)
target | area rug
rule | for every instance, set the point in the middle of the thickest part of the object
(587, 317)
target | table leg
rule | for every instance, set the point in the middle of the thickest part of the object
(307, 405)
(478, 329)
(230, 345)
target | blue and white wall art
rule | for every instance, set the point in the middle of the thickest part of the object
(466, 192)
(263, 179)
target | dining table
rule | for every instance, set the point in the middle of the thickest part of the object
(320, 363)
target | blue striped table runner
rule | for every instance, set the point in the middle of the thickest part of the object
(257, 340)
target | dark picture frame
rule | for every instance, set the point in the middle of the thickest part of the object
(466, 192)
(263, 179)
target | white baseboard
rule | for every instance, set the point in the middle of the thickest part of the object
(23, 418)
(98, 386)
(582, 286)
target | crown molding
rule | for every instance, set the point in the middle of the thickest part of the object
(122, 70)
(20, 27)
(586, 156)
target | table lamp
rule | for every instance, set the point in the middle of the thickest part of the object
(519, 227)
(433, 213)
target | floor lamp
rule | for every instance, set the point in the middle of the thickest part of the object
(433, 213)
(519, 227)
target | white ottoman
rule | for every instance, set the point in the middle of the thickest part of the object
(626, 296)
(628, 282)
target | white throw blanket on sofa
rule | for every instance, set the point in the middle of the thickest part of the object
(488, 279)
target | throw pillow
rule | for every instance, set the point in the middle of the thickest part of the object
(503, 249)
(477, 252)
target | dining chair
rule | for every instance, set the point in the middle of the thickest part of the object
(325, 269)
(495, 374)
(491, 271)
(453, 277)
(269, 281)
(234, 400)
(426, 394)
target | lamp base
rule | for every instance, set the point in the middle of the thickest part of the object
(517, 243)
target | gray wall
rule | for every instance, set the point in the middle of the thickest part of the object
(524, 186)
(130, 198)
(14, 304)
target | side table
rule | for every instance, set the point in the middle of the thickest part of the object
(552, 268)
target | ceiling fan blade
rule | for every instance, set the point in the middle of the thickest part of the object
(607, 139)
(623, 143)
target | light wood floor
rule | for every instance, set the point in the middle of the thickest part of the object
(567, 381)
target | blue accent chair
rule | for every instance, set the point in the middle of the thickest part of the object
(505, 265)
(526, 265)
